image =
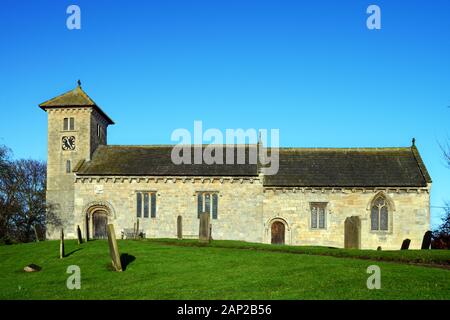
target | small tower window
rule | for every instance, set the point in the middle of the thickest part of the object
(69, 124)
(99, 130)
(68, 168)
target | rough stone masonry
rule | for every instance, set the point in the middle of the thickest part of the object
(92, 184)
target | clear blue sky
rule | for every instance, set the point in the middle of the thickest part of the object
(309, 68)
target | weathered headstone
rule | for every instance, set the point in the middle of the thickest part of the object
(426, 242)
(87, 229)
(61, 245)
(379, 248)
(352, 233)
(113, 249)
(80, 239)
(32, 268)
(136, 235)
(405, 244)
(35, 233)
(180, 227)
(204, 227)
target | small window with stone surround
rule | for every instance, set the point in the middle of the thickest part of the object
(68, 167)
(146, 204)
(69, 124)
(318, 215)
(208, 201)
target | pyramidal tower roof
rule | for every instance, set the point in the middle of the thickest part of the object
(73, 98)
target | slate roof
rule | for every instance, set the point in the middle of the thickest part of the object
(74, 98)
(358, 167)
(156, 161)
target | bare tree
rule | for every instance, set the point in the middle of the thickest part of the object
(30, 179)
(8, 202)
(23, 210)
(441, 236)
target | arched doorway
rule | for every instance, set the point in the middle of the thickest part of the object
(99, 223)
(278, 232)
(97, 216)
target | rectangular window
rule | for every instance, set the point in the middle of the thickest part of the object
(98, 130)
(207, 202)
(139, 205)
(318, 215)
(69, 124)
(199, 204)
(153, 205)
(68, 169)
(146, 204)
(215, 199)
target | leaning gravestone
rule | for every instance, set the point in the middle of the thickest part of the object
(204, 227)
(61, 245)
(426, 242)
(80, 239)
(113, 249)
(405, 244)
(180, 227)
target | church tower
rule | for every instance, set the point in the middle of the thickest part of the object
(76, 127)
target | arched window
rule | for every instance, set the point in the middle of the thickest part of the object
(379, 214)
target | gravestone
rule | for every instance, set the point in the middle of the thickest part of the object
(405, 244)
(180, 227)
(352, 233)
(35, 233)
(204, 227)
(80, 239)
(426, 242)
(61, 245)
(379, 248)
(32, 268)
(113, 249)
(136, 234)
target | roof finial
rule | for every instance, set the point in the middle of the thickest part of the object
(79, 82)
(413, 142)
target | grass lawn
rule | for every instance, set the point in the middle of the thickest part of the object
(171, 269)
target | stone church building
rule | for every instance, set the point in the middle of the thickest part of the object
(350, 197)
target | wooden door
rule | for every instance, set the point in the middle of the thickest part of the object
(100, 220)
(278, 232)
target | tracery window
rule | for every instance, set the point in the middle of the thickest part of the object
(379, 214)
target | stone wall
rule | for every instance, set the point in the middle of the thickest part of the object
(246, 210)
(60, 184)
(239, 205)
(409, 216)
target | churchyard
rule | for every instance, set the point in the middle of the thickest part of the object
(190, 269)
